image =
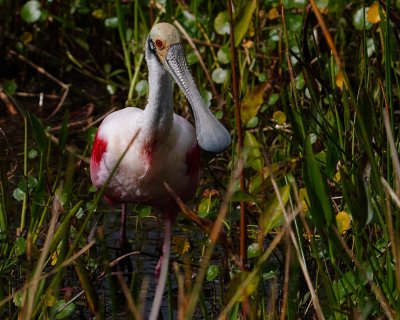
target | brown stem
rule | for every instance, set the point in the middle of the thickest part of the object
(236, 101)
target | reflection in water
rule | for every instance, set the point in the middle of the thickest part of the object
(145, 236)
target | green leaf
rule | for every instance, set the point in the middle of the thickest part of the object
(205, 207)
(20, 246)
(32, 183)
(18, 194)
(18, 298)
(220, 75)
(9, 87)
(273, 98)
(275, 35)
(38, 197)
(145, 211)
(290, 4)
(322, 4)
(224, 55)
(254, 157)
(272, 214)
(22, 184)
(44, 14)
(370, 47)
(236, 284)
(142, 87)
(252, 123)
(219, 114)
(333, 6)
(90, 134)
(279, 117)
(252, 102)
(191, 58)
(99, 14)
(111, 22)
(32, 154)
(129, 35)
(82, 43)
(107, 68)
(64, 227)
(269, 275)
(359, 18)
(347, 284)
(221, 23)
(253, 250)
(320, 206)
(48, 300)
(299, 81)
(30, 11)
(355, 193)
(239, 196)
(294, 22)
(111, 88)
(66, 309)
(61, 195)
(332, 158)
(87, 284)
(212, 272)
(206, 96)
(39, 132)
(243, 25)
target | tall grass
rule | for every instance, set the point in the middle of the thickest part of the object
(314, 166)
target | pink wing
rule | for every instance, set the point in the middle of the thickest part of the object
(99, 147)
(193, 163)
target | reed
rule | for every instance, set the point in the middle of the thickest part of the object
(299, 219)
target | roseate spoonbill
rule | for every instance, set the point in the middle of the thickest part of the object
(143, 149)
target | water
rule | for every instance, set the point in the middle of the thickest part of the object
(146, 236)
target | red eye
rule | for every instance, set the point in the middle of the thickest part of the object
(159, 44)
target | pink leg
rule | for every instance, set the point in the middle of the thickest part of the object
(122, 231)
(123, 243)
(158, 267)
(162, 269)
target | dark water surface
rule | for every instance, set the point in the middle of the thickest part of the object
(146, 236)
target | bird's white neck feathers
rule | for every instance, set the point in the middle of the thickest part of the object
(158, 113)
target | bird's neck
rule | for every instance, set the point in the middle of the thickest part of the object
(159, 110)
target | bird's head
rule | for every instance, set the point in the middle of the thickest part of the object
(164, 44)
(162, 36)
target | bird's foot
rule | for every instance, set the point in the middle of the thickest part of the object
(123, 248)
(124, 245)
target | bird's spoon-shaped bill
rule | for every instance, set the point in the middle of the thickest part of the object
(211, 134)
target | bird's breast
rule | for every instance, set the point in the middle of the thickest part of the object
(140, 162)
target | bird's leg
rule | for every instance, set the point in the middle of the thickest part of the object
(123, 243)
(163, 265)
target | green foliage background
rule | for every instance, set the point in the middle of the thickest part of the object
(319, 113)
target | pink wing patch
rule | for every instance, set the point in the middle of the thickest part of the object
(148, 152)
(193, 162)
(99, 147)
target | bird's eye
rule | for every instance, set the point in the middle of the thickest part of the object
(159, 44)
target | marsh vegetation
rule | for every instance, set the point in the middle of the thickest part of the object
(299, 218)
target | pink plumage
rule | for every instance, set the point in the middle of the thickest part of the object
(146, 165)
